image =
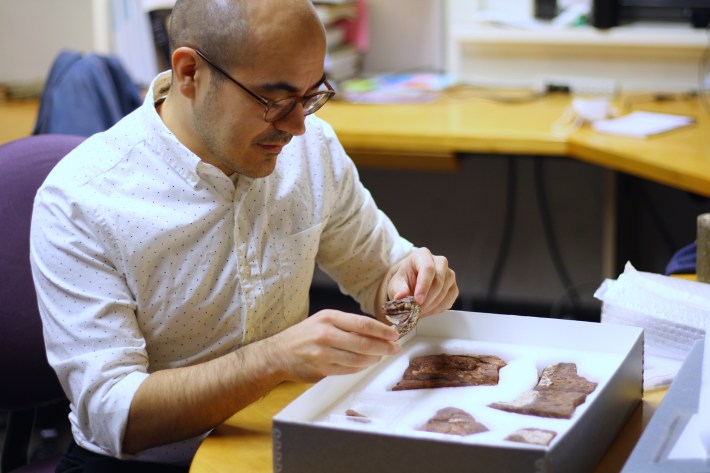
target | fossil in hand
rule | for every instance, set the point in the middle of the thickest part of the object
(402, 313)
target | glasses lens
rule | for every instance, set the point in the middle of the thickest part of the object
(279, 109)
(315, 102)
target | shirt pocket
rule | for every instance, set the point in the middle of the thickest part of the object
(297, 256)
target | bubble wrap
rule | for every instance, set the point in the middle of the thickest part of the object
(672, 311)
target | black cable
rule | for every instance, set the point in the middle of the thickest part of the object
(507, 233)
(656, 218)
(556, 310)
(550, 237)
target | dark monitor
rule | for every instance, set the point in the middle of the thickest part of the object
(608, 13)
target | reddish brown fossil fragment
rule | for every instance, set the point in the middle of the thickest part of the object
(442, 371)
(555, 404)
(532, 436)
(558, 393)
(453, 421)
(402, 313)
(357, 417)
(564, 377)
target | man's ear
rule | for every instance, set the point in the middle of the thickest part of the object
(185, 71)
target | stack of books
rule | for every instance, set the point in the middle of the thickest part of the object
(345, 25)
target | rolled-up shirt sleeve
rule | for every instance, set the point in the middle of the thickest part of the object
(88, 313)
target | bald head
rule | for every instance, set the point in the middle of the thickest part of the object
(234, 32)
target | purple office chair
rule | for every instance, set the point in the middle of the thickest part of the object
(28, 382)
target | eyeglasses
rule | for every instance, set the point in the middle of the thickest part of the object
(275, 110)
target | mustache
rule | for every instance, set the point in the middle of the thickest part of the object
(276, 137)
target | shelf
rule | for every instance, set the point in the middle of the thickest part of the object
(635, 36)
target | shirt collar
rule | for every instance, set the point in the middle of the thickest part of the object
(178, 156)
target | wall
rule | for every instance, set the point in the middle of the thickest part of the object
(39, 29)
(405, 35)
(32, 32)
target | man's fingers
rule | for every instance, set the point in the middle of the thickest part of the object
(363, 326)
(426, 272)
(443, 292)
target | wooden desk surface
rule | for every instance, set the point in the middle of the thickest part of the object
(243, 443)
(680, 158)
(17, 118)
(431, 136)
(452, 124)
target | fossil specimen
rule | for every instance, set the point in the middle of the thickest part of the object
(402, 313)
(453, 421)
(444, 371)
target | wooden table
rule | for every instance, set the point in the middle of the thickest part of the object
(433, 136)
(17, 118)
(243, 442)
(679, 159)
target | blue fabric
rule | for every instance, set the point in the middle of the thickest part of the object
(85, 94)
(683, 261)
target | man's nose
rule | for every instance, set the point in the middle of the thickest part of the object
(294, 122)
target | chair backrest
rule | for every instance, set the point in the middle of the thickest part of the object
(27, 379)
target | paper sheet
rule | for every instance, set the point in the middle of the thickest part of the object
(642, 124)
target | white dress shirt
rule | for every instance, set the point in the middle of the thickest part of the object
(146, 258)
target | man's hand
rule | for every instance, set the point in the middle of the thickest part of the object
(179, 403)
(331, 342)
(425, 276)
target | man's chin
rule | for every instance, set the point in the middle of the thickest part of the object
(266, 167)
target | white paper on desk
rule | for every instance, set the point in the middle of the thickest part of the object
(694, 442)
(642, 124)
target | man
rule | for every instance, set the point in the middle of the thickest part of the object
(173, 254)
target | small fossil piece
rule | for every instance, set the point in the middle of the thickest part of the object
(402, 313)
(453, 421)
(355, 416)
(532, 436)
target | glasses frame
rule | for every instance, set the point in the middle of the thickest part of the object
(268, 104)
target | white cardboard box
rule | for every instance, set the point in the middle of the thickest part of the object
(652, 453)
(312, 435)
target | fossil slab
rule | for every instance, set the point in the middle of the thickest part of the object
(446, 371)
(564, 377)
(558, 393)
